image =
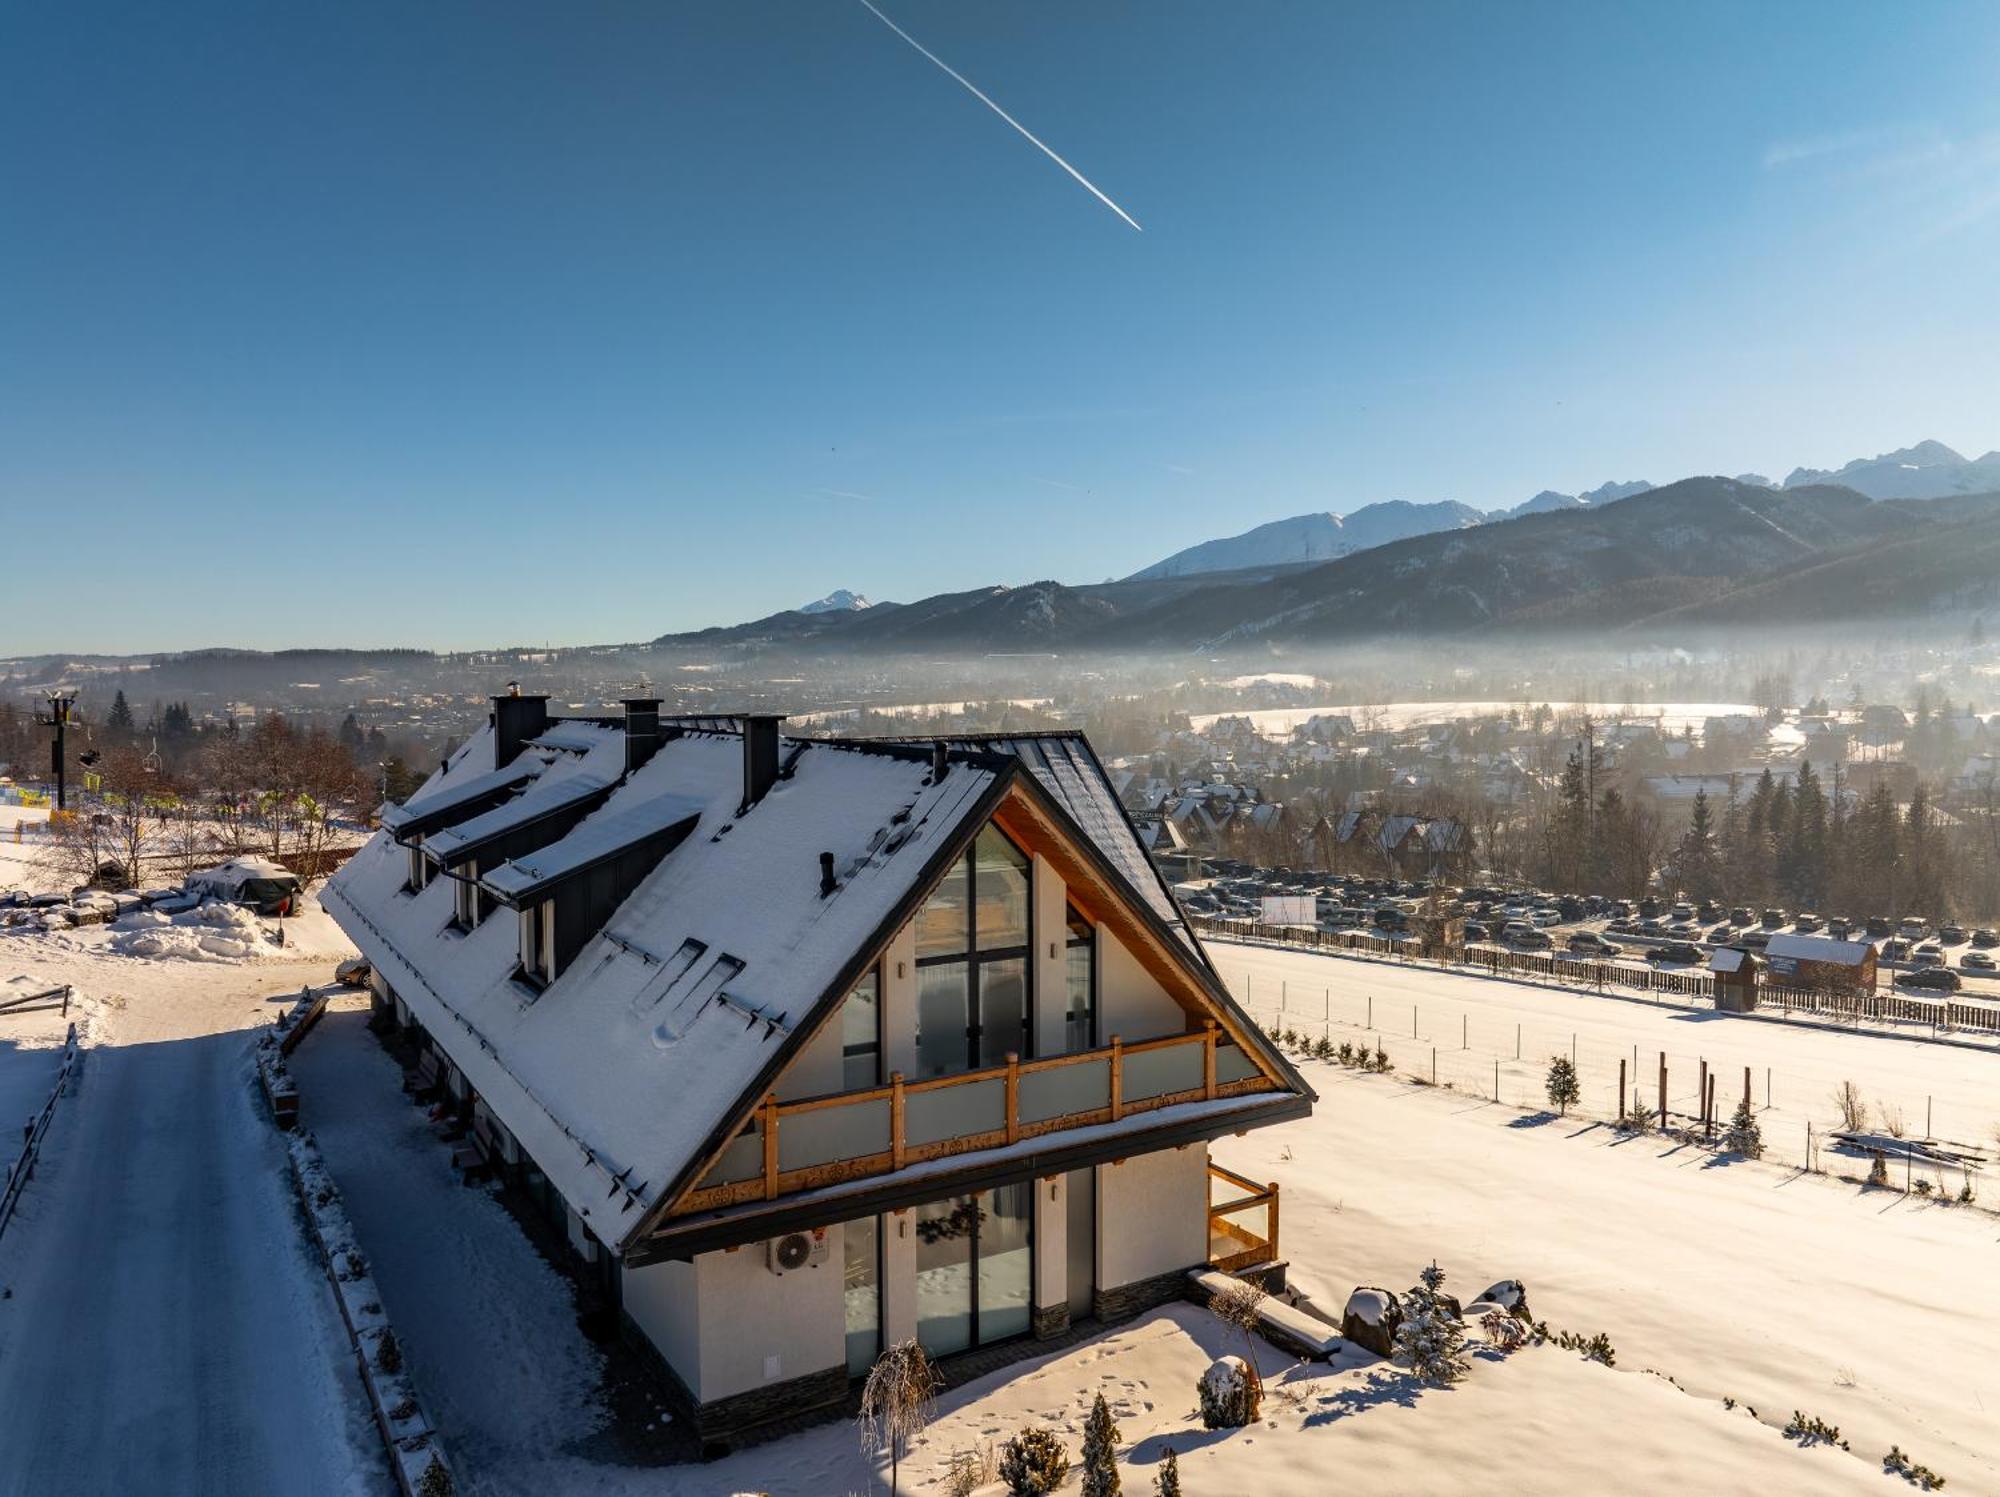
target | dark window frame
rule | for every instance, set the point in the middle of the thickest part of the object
(975, 957)
(1087, 942)
(976, 1341)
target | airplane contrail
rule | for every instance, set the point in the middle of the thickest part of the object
(967, 84)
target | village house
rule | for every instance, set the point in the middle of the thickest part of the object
(810, 1045)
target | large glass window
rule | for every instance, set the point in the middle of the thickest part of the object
(975, 1269)
(861, 1252)
(1080, 1015)
(974, 989)
(861, 1035)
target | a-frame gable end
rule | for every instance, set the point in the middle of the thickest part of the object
(1038, 825)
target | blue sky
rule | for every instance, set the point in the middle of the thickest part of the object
(473, 323)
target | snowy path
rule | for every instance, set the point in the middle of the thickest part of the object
(168, 1329)
(488, 1328)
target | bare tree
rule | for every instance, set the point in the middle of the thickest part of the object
(897, 1402)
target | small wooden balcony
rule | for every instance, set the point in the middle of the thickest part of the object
(809, 1144)
(1242, 1221)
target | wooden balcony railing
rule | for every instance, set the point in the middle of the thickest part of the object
(819, 1141)
(1242, 1229)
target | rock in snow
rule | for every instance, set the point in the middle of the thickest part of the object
(1510, 1295)
(1370, 1320)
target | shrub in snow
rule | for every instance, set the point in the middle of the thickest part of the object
(1853, 1111)
(1878, 1172)
(1810, 1429)
(1239, 1303)
(436, 1480)
(1744, 1136)
(1430, 1341)
(1346, 1053)
(1100, 1452)
(1898, 1464)
(1033, 1463)
(1227, 1396)
(388, 1354)
(1382, 1061)
(1564, 1093)
(1168, 1482)
(1503, 1331)
(1370, 1320)
(969, 1470)
(1322, 1048)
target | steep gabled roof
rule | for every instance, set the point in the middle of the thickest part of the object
(616, 1074)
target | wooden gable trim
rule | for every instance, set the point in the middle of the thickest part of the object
(1033, 830)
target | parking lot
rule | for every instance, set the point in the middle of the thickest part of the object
(1654, 931)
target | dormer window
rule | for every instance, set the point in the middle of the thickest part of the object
(537, 942)
(420, 870)
(467, 906)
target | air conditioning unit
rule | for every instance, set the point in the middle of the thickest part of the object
(796, 1250)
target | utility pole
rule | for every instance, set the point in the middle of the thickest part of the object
(60, 704)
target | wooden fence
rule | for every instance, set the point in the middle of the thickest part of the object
(37, 1128)
(57, 997)
(1941, 1014)
(1234, 1238)
(1571, 970)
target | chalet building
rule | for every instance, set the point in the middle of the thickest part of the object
(810, 1045)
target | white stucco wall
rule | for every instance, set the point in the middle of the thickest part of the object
(1051, 958)
(758, 1327)
(726, 1324)
(662, 1301)
(1051, 1241)
(899, 1003)
(1130, 1004)
(1152, 1215)
(899, 1276)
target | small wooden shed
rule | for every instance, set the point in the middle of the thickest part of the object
(1735, 974)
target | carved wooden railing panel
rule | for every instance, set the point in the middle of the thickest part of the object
(819, 1141)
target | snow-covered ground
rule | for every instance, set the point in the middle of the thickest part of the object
(163, 1326)
(1471, 1022)
(1714, 1281)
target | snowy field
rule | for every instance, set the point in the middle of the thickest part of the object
(1395, 717)
(163, 1326)
(1473, 1025)
(21, 831)
(1743, 1282)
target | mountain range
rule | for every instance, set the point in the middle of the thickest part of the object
(1698, 553)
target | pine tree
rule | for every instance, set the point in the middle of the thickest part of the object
(1564, 1092)
(120, 720)
(1168, 1482)
(1698, 860)
(1744, 1136)
(1100, 1452)
(1430, 1337)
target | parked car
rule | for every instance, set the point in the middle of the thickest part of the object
(1807, 924)
(1621, 909)
(1532, 939)
(1681, 911)
(1839, 929)
(1978, 961)
(1474, 931)
(1772, 919)
(1913, 928)
(1752, 940)
(1722, 935)
(1984, 937)
(1896, 949)
(1709, 913)
(1741, 915)
(1877, 927)
(1590, 943)
(1546, 916)
(1952, 935)
(1676, 951)
(1930, 954)
(1936, 979)
(1650, 907)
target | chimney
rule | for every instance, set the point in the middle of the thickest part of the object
(516, 719)
(760, 756)
(826, 879)
(642, 730)
(940, 763)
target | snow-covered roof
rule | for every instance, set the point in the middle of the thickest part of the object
(239, 871)
(444, 793)
(1818, 949)
(594, 761)
(616, 1074)
(1726, 959)
(600, 837)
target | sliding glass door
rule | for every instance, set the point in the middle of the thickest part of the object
(975, 1269)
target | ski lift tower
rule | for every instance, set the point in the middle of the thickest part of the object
(60, 705)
